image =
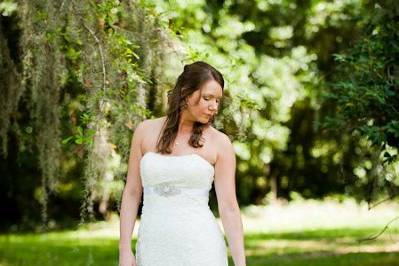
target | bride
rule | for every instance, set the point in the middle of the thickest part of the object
(173, 162)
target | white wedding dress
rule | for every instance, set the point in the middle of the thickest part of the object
(177, 227)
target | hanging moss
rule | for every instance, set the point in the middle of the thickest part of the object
(10, 89)
(42, 73)
(114, 52)
(119, 61)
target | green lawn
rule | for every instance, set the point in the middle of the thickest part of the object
(323, 247)
(276, 235)
(317, 247)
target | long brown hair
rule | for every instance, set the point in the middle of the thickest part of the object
(191, 79)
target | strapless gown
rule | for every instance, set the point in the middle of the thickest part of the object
(177, 227)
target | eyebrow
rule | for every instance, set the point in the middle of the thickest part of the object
(210, 94)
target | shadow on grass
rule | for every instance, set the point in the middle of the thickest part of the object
(324, 259)
(318, 234)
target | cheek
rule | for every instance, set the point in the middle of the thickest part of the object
(198, 106)
(203, 104)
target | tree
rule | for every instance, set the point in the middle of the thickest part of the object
(364, 99)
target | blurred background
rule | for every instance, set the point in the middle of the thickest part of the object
(311, 103)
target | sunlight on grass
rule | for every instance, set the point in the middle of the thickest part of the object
(314, 214)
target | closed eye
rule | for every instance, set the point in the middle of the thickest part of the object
(207, 99)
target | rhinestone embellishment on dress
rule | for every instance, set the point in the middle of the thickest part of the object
(166, 189)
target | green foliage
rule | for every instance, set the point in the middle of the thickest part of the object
(365, 91)
(367, 95)
(87, 73)
(7, 8)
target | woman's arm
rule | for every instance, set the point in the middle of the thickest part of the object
(227, 201)
(131, 198)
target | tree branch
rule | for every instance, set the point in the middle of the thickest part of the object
(375, 236)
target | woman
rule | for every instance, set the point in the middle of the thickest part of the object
(174, 160)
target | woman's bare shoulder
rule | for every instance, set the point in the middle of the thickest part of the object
(218, 134)
(151, 124)
(154, 120)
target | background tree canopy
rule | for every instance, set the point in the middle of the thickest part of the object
(311, 100)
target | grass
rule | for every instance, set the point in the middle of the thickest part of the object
(323, 247)
(97, 244)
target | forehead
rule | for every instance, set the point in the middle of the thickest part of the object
(212, 87)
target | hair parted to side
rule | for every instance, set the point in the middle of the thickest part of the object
(191, 79)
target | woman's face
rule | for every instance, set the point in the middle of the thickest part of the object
(204, 102)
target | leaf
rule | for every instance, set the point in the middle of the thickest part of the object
(67, 140)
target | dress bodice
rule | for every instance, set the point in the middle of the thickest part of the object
(183, 171)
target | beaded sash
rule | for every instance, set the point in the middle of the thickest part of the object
(167, 189)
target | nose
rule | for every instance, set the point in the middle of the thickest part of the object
(213, 106)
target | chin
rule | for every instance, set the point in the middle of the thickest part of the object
(203, 121)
